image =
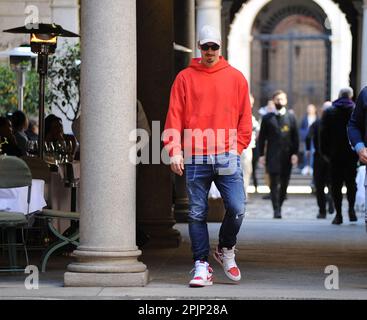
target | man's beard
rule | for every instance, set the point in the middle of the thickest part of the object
(210, 58)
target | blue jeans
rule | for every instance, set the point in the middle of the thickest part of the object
(225, 170)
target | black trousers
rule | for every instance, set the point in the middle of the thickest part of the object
(255, 160)
(343, 172)
(278, 187)
(322, 179)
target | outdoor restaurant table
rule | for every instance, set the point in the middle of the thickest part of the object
(15, 199)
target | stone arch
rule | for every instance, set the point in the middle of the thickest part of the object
(239, 41)
(293, 10)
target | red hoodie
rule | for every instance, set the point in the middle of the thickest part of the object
(208, 98)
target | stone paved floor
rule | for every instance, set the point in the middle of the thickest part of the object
(279, 259)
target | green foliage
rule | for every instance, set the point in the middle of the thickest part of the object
(31, 92)
(62, 90)
(8, 90)
(9, 93)
(64, 81)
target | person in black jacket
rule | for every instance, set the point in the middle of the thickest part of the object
(19, 122)
(279, 133)
(321, 168)
(336, 149)
(9, 144)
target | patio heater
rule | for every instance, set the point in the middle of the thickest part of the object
(20, 62)
(43, 39)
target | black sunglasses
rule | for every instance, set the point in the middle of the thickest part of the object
(206, 47)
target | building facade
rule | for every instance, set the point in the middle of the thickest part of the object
(128, 53)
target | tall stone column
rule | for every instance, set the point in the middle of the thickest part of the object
(208, 12)
(107, 254)
(155, 76)
(184, 19)
(364, 47)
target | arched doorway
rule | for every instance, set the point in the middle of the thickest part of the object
(240, 36)
(291, 50)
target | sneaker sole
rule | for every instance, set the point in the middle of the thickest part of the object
(200, 284)
(229, 276)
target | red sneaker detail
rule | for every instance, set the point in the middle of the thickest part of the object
(203, 275)
(226, 258)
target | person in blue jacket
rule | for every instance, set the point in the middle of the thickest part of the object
(357, 132)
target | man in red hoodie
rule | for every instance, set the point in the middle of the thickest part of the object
(208, 125)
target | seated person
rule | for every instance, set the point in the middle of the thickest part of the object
(32, 131)
(54, 132)
(6, 134)
(20, 124)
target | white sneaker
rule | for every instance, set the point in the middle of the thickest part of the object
(225, 257)
(203, 274)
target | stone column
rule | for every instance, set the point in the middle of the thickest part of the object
(107, 254)
(364, 47)
(184, 19)
(208, 12)
(155, 76)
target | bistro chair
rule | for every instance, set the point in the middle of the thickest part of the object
(48, 218)
(41, 170)
(61, 239)
(14, 173)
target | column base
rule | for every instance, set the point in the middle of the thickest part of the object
(181, 210)
(162, 242)
(181, 216)
(94, 268)
(161, 234)
(130, 279)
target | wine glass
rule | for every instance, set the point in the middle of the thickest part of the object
(69, 151)
(57, 153)
(61, 151)
(49, 153)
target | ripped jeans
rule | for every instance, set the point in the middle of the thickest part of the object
(225, 170)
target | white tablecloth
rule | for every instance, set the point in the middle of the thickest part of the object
(15, 199)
